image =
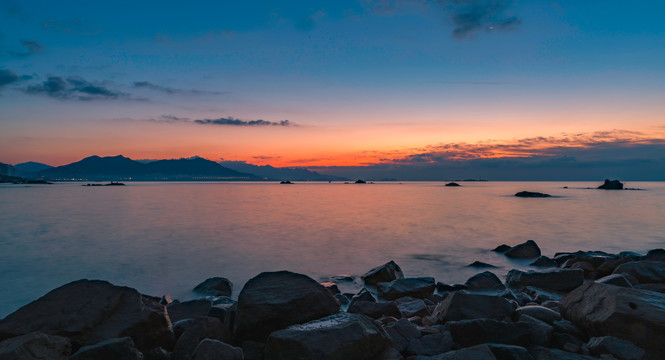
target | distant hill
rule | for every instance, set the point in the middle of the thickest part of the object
(30, 169)
(284, 173)
(123, 168)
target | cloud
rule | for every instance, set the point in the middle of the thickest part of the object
(237, 122)
(7, 77)
(309, 23)
(76, 26)
(170, 90)
(75, 88)
(472, 16)
(32, 47)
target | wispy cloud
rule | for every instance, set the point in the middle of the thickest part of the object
(170, 90)
(75, 26)
(76, 88)
(226, 121)
(7, 77)
(31, 46)
(472, 16)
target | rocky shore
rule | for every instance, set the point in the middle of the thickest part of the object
(582, 305)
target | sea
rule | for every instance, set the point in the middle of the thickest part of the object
(166, 237)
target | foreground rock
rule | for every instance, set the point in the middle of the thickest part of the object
(557, 280)
(81, 311)
(484, 281)
(631, 314)
(113, 349)
(340, 336)
(385, 273)
(420, 287)
(275, 300)
(188, 309)
(480, 331)
(526, 250)
(209, 349)
(531, 194)
(35, 346)
(620, 349)
(201, 328)
(645, 272)
(485, 352)
(463, 306)
(216, 286)
(611, 185)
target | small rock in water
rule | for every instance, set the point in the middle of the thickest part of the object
(387, 272)
(361, 181)
(544, 261)
(452, 184)
(217, 286)
(527, 250)
(531, 194)
(611, 185)
(480, 264)
(502, 248)
(484, 281)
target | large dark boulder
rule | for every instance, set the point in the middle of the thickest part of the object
(209, 349)
(90, 311)
(484, 352)
(275, 300)
(431, 344)
(480, 331)
(201, 328)
(216, 286)
(452, 184)
(543, 353)
(611, 185)
(526, 250)
(484, 281)
(631, 314)
(188, 309)
(375, 310)
(557, 280)
(420, 287)
(463, 306)
(35, 346)
(401, 333)
(645, 271)
(409, 307)
(540, 332)
(655, 255)
(112, 349)
(341, 336)
(539, 312)
(385, 273)
(619, 348)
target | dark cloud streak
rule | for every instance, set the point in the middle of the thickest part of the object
(170, 90)
(75, 88)
(472, 16)
(8, 77)
(237, 122)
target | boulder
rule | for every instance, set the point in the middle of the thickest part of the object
(483, 352)
(620, 349)
(216, 286)
(201, 328)
(81, 311)
(331, 286)
(157, 354)
(275, 300)
(531, 194)
(401, 333)
(464, 306)
(566, 327)
(484, 281)
(481, 265)
(362, 295)
(188, 309)
(253, 350)
(209, 349)
(375, 310)
(339, 336)
(645, 271)
(631, 314)
(410, 307)
(540, 332)
(616, 280)
(655, 255)
(543, 353)
(502, 248)
(611, 185)
(432, 344)
(556, 279)
(539, 312)
(179, 327)
(35, 346)
(544, 261)
(385, 273)
(526, 250)
(480, 331)
(420, 287)
(112, 349)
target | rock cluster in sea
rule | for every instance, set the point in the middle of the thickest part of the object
(582, 305)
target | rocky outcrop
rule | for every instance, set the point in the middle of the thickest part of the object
(611, 185)
(113, 349)
(72, 309)
(216, 286)
(35, 346)
(420, 287)
(526, 250)
(275, 300)
(464, 306)
(385, 273)
(531, 194)
(340, 336)
(557, 280)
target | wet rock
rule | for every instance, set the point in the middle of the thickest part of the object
(253, 350)
(616, 280)
(342, 278)
(362, 295)
(158, 354)
(331, 286)
(542, 353)
(179, 327)
(275, 300)
(112, 349)
(644, 271)
(568, 342)
(481, 265)
(502, 248)
(484, 352)
(385, 273)
(631, 314)
(539, 312)
(420, 287)
(544, 261)
(464, 306)
(224, 312)
(566, 327)
(71, 309)
(611, 185)
(343, 300)
(216, 286)
(557, 280)
(431, 344)
(526, 250)
(620, 349)
(201, 328)
(340, 336)
(209, 349)
(589, 270)
(655, 255)
(531, 194)
(410, 307)
(35, 346)
(189, 309)
(441, 287)
(401, 333)
(540, 332)
(652, 287)
(484, 281)
(375, 310)
(479, 331)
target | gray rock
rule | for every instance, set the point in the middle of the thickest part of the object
(362, 295)
(616, 280)
(216, 286)
(484, 352)
(188, 309)
(420, 287)
(542, 353)
(410, 307)
(431, 344)
(531, 194)
(539, 312)
(631, 314)
(72, 309)
(209, 349)
(557, 280)
(275, 300)
(375, 310)
(484, 281)
(566, 327)
(35, 346)
(481, 265)
(655, 255)
(401, 333)
(644, 271)
(611, 185)
(540, 331)
(480, 331)
(201, 328)
(385, 273)
(544, 261)
(527, 250)
(224, 312)
(620, 349)
(502, 248)
(179, 327)
(112, 349)
(340, 336)
(465, 306)
(332, 287)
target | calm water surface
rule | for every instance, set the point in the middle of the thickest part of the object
(164, 238)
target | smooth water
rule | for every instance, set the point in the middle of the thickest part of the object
(164, 238)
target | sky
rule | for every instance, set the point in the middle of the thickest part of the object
(353, 87)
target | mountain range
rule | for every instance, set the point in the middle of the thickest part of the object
(284, 173)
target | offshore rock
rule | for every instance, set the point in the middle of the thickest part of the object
(463, 306)
(385, 273)
(611, 185)
(112, 349)
(81, 312)
(338, 337)
(216, 286)
(420, 287)
(531, 194)
(275, 300)
(35, 346)
(557, 280)
(526, 250)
